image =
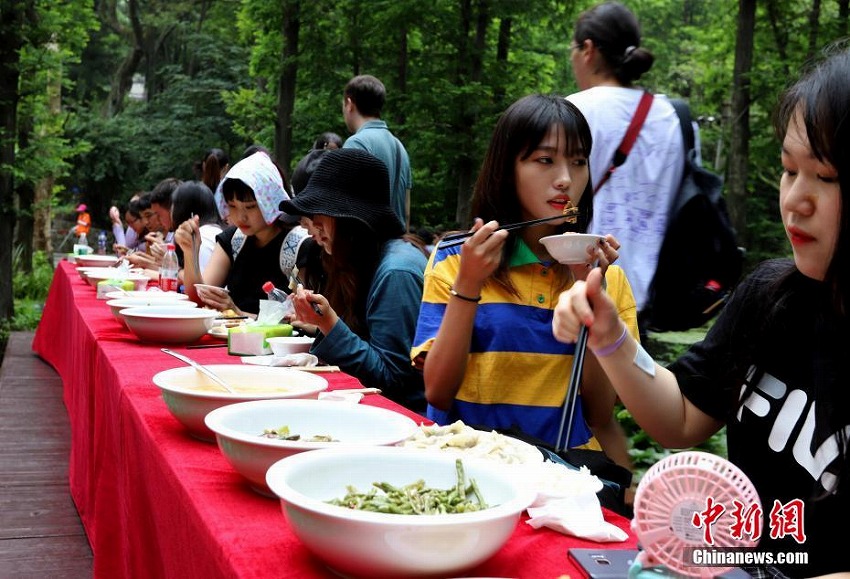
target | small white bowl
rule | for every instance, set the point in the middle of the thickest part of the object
(369, 544)
(190, 395)
(286, 345)
(119, 304)
(238, 429)
(169, 324)
(570, 248)
(153, 294)
(95, 260)
(94, 275)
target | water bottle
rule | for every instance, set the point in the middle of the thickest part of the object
(168, 270)
(101, 243)
(82, 246)
(275, 294)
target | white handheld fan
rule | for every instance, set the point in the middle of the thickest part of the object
(668, 496)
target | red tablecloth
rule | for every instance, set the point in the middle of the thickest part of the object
(156, 502)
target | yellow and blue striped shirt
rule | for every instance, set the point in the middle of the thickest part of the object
(517, 373)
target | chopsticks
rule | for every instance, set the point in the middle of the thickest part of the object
(569, 409)
(458, 238)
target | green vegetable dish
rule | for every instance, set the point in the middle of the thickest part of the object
(416, 498)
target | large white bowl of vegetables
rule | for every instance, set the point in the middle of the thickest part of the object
(254, 435)
(317, 490)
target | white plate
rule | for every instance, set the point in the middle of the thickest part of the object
(219, 332)
(570, 248)
(465, 441)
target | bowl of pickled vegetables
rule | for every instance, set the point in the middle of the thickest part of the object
(254, 435)
(397, 512)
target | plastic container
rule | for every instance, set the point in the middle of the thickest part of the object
(168, 281)
(101, 243)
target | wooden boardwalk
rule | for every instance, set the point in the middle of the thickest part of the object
(40, 530)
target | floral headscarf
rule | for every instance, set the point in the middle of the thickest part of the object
(261, 175)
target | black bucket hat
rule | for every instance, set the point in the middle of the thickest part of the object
(351, 184)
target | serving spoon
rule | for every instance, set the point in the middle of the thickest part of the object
(200, 368)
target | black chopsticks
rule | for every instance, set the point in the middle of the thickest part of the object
(458, 238)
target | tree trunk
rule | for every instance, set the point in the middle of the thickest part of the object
(41, 210)
(12, 20)
(25, 199)
(502, 50)
(740, 137)
(466, 125)
(843, 10)
(286, 85)
(780, 36)
(123, 79)
(814, 25)
(400, 118)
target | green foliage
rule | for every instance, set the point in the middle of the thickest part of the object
(664, 348)
(30, 291)
(31, 285)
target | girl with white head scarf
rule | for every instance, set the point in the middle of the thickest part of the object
(249, 252)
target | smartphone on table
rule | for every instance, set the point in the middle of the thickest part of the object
(615, 563)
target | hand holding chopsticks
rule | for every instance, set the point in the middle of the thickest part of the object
(458, 238)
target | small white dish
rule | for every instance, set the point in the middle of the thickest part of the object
(570, 248)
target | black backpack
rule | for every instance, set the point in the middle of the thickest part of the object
(700, 261)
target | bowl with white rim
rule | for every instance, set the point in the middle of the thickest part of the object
(386, 544)
(119, 304)
(152, 294)
(93, 275)
(571, 248)
(190, 395)
(254, 435)
(96, 260)
(169, 324)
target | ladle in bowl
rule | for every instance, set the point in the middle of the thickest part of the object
(202, 369)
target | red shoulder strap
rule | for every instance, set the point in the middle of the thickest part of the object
(629, 138)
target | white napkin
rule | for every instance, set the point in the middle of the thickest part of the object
(566, 502)
(303, 359)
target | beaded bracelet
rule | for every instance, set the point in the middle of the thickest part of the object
(463, 297)
(611, 348)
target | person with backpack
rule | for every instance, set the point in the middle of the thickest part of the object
(258, 247)
(773, 367)
(632, 203)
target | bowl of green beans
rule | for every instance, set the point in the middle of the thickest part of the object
(396, 512)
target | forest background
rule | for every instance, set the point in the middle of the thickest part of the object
(101, 99)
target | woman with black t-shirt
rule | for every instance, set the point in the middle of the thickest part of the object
(773, 368)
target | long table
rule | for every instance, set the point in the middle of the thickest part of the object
(156, 502)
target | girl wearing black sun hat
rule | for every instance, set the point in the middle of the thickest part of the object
(366, 317)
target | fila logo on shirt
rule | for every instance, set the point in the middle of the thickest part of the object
(794, 408)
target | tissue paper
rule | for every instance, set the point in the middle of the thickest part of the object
(250, 339)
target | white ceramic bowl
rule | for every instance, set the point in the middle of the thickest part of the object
(238, 429)
(190, 395)
(95, 260)
(140, 280)
(570, 247)
(285, 345)
(154, 294)
(169, 324)
(370, 544)
(119, 304)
